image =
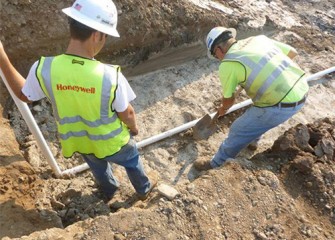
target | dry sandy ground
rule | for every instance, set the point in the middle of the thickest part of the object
(167, 99)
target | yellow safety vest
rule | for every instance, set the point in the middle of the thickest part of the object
(270, 74)
(81, 92)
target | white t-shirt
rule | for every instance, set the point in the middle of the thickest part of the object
(124, 93)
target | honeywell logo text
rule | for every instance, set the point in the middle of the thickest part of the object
(61, 87)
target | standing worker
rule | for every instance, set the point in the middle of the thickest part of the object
(90, 99)
(265, 70)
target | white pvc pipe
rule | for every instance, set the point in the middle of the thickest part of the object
(33, 127)
(186, 126)
(25, 111)
(76, 169)
(320, 74)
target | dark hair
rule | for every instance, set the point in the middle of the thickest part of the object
(79, 31)
(225, 36)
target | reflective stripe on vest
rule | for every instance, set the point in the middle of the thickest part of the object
(256, 68)
(46, 73)
(84, 82)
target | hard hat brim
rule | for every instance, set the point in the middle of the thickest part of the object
(233, 32)
(76, 15)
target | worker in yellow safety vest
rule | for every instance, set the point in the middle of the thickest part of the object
(264, 68)
(90, 99)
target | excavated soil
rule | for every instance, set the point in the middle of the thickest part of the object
(283, 190)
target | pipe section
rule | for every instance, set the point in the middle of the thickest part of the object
(235, 107)
(185, 126)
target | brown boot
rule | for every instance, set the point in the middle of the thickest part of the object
(202, 164)
(153, 177)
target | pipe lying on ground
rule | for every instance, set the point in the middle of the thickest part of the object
(159, 137)
(237, 106)
(186, 126)
(29, 119)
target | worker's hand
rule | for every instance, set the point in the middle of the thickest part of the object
(222, 111)
(2, 50)
(3, 55)
(128, 117)
(225, 105)
(134, 131)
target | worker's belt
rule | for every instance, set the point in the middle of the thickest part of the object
(288, 105)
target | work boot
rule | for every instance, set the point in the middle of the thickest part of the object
(202, 164)
(153, 178)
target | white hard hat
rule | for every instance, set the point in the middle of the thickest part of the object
(100, 15)
(214, 34)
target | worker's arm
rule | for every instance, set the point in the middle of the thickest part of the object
(129, 118)
(292, 53)
(228, 102)
(225, 105)
(288, 50)
(14, 78)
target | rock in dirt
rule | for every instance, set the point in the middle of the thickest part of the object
(167, 191)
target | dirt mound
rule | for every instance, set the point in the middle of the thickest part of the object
(309, 152)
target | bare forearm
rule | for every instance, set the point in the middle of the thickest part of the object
(292, 53)
(130, 121)
(129, 118)
(14, 78)
(228, 102)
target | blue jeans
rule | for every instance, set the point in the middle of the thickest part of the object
(249, 127)
(128, 157)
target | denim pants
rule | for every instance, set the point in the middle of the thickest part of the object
(249, 127)
(128, 157)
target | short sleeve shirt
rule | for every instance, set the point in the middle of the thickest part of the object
(124, 93)
(233, 73)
